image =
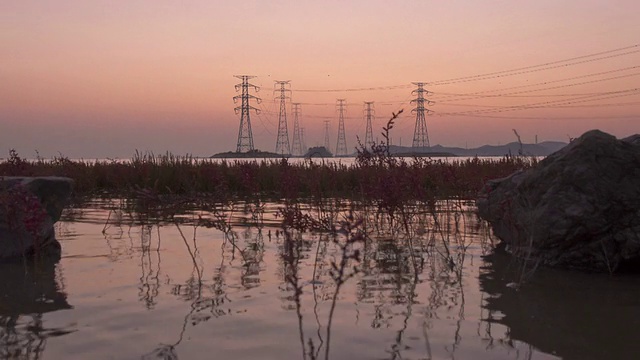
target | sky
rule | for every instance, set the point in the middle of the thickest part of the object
(102, 79)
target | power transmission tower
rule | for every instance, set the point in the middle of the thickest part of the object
(326, 135)
(282, 144)
(341, 147)
(245, 137)
(369, 113)
(420, 134)
(297, 140)
(302, 141)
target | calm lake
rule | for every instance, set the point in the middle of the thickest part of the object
(239, 282)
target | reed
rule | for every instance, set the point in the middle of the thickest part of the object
(372, 176)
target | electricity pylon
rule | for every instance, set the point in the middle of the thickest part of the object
(369, 113)
(341, 146)
(282, 144)
(296, 149)
(420, 134)
(302, 141)
(245, 137)
(326, 135)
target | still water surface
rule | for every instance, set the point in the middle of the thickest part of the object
(130, 287)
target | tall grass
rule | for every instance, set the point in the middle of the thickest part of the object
(373, 176)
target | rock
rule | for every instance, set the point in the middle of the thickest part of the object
(578, 208)
(29, 206)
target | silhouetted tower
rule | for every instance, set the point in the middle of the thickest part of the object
(302, 141)
(341, 147)
(282, 144)
(326, 135)
(420, 134)
(296, 148)
(245, 137)
(369, 113)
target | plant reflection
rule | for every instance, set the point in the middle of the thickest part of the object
(326, 251)
(150, 279)
(391, 269)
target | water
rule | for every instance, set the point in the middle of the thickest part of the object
(132, 286)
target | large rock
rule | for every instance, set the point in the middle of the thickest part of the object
(578, 208)
(29, 206)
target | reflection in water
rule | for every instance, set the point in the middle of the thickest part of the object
(207, 298)
(252, 280)
(390, 269)
(28, 289)
(150, 277)
(569, 314)
(252, 255)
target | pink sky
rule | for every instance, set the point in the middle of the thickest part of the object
(103, 78)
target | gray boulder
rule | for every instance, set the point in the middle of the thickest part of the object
(578, 208)
(29, 206)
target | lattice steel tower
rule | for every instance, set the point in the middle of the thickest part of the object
(369, 113)
(420, 134)
(341, 146)
(282, 144)
(326, 135)
(302, 141)
(296, 148)
(245, 137)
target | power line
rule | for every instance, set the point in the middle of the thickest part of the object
(551, 106)
(603, 96)
(390, 87)
(544, 66)
(553, 118)
(511, 94)
(537, 84)
(565, 100)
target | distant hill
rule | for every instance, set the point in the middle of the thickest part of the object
(540, 149)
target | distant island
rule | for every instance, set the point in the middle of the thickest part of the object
(318, 151)
(249, 154)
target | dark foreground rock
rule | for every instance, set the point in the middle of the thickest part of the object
(29, 206)
(579, 208)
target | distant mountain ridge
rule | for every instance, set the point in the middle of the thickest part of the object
(541, 149)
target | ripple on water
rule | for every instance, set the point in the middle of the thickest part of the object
(124, 290)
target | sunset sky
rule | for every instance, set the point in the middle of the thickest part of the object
(104, 78)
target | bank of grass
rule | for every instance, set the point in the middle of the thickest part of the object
(372, 176)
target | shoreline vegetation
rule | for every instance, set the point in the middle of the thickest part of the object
(374, 175)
